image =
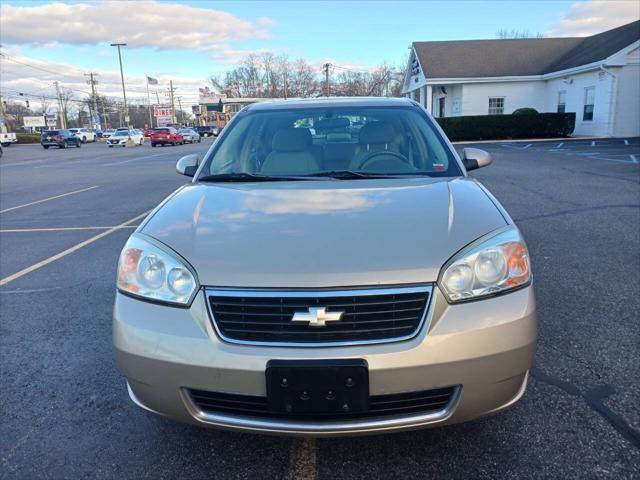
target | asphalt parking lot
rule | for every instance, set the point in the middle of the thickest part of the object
(65, 214)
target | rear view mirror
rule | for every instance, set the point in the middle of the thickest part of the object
(474, 158)
(188, 165)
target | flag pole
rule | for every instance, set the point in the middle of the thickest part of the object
(149, 102)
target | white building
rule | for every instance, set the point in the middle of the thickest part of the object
(596, 77)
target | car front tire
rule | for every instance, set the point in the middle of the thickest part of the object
(46, 147)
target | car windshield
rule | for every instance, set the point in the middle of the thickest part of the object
(332, 141)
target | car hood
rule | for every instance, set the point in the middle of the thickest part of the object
(315, 234)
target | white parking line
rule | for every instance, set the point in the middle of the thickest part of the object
(560, 145)
(62, 229)
(626, 142)
(68, 251)
(47, 199)
(633, 158)
(593, 143)
(526, 146)
(133, 160)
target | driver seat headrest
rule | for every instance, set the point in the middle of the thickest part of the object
(376, 133)
(292, 140)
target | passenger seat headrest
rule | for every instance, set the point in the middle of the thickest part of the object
(292, 140)
(376, 133)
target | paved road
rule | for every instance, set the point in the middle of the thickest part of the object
(66, 414)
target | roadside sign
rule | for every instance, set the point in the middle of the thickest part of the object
(162, 112)
(34, 121)
(163, 121)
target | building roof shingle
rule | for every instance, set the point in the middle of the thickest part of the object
(520, 57)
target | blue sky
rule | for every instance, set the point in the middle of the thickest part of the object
(360, 33)
(188, 41)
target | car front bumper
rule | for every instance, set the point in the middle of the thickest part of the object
(483, 348)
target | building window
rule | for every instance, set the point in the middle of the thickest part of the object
(562, 101)
(589, 100)
(496, 105)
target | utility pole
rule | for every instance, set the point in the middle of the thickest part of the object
(124, 95)
(93, 83)
(63, 120)
(157, 98)
(326, 67)
(173, 105)
(179, 106)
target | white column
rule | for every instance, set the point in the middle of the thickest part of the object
(423, 92)
(429, 104)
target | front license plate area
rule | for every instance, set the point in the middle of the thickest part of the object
(317, 387)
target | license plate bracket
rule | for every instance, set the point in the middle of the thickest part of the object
(317, 386)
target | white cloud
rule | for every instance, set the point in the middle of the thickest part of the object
(595, 16)
(35, 77)
(144, 23)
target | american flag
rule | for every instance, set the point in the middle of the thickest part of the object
(152, 81)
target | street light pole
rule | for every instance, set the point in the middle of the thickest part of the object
(124, 95)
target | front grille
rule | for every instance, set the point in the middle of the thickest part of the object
(409, 403)
(369, 315)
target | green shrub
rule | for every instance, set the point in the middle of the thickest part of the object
(493, 127)
(24, 137)
(525, 111)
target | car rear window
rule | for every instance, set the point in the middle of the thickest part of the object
(51, 132)
(161, 130)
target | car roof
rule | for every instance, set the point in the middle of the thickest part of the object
(332, 102)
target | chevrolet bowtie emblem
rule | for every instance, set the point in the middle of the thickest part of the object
(316, 317)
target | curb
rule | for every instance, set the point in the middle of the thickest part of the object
(534, 140)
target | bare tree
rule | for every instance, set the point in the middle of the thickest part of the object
(504, 34)
(45, 104)
(66, 98)
(267, 76)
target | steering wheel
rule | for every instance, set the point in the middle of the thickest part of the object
(370, 157)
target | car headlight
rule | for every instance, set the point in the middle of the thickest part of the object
(491, 265)
(148, 270)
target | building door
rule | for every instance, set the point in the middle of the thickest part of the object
(441, 106)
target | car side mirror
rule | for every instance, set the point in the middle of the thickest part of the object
(188, 165)
(474, 158)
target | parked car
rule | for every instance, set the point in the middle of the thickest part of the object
(108, 132)
(190, 135)
(334, 288)
(122, 135)
(6, 138)
(84, 134)
(98, 132)
(1, 152)
(59, 138)
(148, 132)
(208, 130)
(166, 136)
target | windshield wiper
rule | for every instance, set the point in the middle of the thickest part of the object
(248, 177)
(349, 175)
